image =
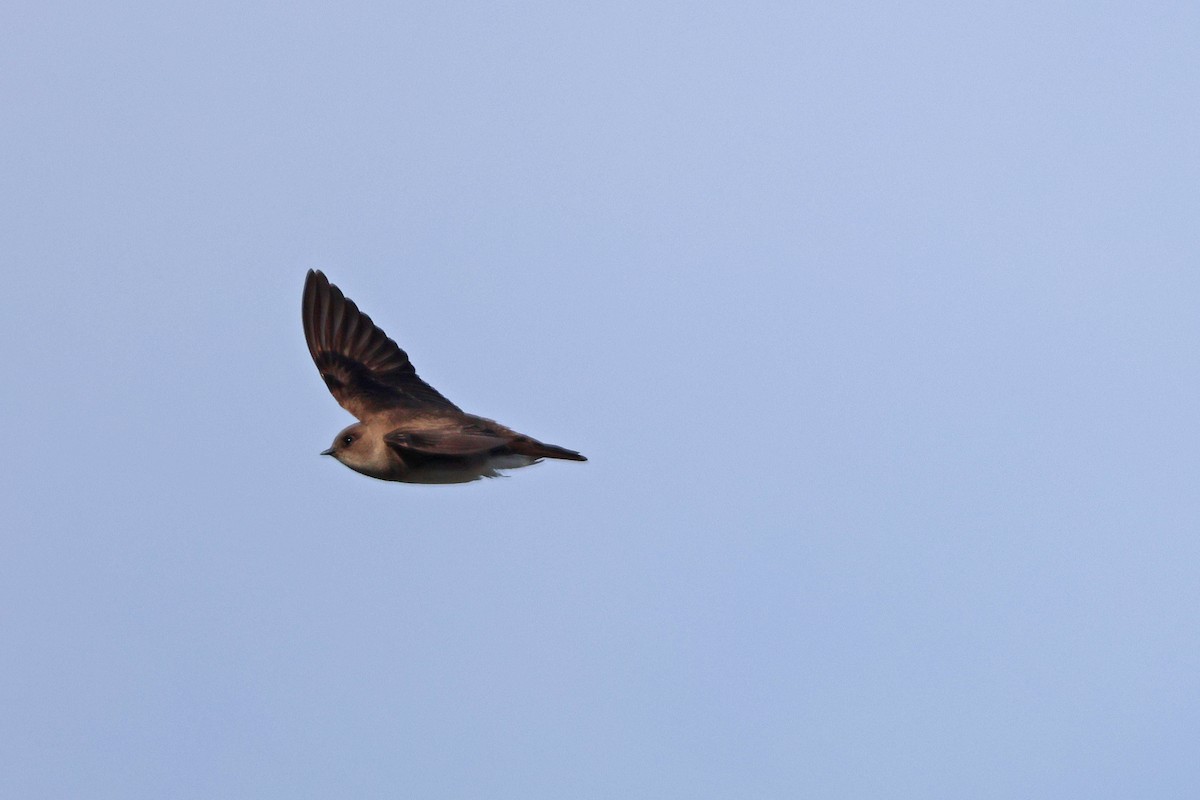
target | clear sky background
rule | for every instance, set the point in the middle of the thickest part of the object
(877, 321)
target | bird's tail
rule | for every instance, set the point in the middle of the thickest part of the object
(535, 449)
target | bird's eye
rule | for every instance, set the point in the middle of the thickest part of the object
(347, 441)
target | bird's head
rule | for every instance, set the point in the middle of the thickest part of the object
(352, 448)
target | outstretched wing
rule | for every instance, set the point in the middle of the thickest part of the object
(365, 370)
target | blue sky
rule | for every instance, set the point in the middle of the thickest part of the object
(877, 323)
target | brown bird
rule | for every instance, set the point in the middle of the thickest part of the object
(406, 430)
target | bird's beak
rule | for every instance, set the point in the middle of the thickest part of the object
(328, 452)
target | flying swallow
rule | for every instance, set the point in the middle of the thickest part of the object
(406, 430)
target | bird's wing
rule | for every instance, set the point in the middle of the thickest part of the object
(365, 370)
(465, 440)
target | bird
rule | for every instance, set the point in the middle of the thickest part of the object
(407, 431)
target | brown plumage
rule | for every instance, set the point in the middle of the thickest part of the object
(407, 431)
